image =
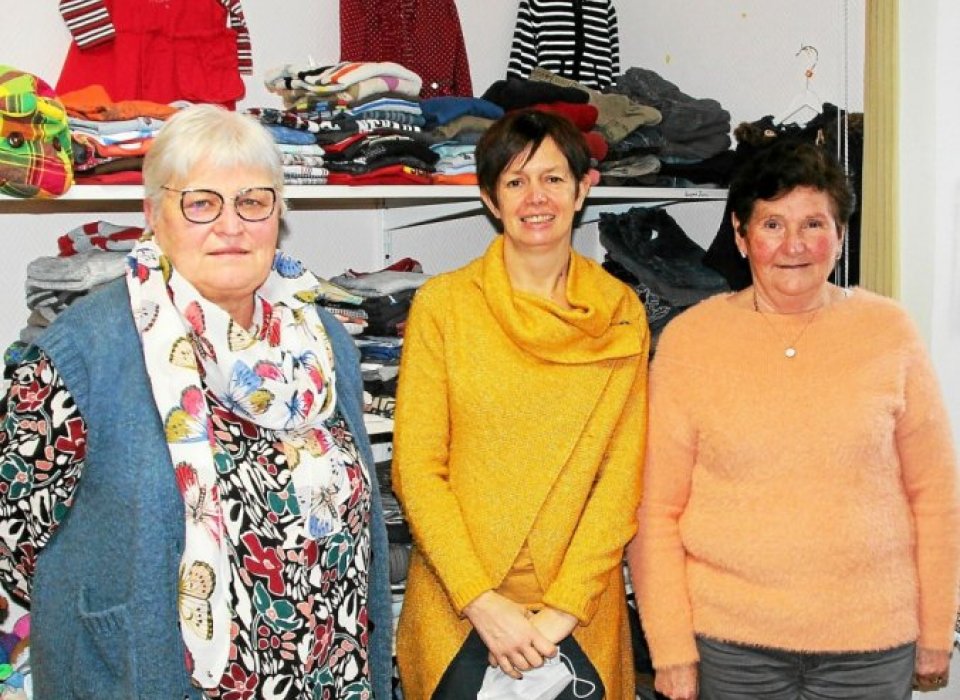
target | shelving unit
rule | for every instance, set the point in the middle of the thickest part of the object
(402, 206)
(98, 195)
(332, 227)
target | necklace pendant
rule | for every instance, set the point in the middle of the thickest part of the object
(790, 352)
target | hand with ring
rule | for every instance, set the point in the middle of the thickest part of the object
(932, 670)
(926, 684)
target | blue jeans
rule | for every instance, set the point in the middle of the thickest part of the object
(739, 672)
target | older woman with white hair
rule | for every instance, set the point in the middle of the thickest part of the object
(201, 515)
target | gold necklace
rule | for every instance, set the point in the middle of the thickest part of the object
(790, 351)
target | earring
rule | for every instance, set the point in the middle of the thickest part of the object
(743, 254)
(839, 254)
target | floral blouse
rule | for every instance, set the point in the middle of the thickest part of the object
(300, 626)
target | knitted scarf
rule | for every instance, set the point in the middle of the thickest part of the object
(600, 325)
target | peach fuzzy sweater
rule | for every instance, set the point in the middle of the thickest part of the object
(807, 504)
(519, 423)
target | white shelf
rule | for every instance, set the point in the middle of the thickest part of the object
(96, 194)
(400, 206)
(460, 192)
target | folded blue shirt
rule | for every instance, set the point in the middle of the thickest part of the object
(284, 134)
(441, 110)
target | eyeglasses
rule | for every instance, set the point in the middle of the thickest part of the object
(204, 206)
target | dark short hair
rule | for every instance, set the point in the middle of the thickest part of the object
(778, 169)
(514, 133)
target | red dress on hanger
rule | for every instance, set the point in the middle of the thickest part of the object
(159, 50)
(422, 35)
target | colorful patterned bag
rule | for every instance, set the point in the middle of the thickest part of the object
(35, 156)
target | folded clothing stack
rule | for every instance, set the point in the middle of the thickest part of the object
(89, 256)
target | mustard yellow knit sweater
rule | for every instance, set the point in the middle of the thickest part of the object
(807, 504)
(518, 421)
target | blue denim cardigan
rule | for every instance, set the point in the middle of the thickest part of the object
(104, 608)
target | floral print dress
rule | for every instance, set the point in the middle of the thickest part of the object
(300, 625)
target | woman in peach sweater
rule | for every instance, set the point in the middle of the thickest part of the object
(519, 436)
(798, 532)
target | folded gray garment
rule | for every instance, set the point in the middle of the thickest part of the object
(42, 316)
(631, 166)
(39, 319)
(28, 334)
(381, 283)
(399, 561)
(335, 293)
(694, 151)
(682, 114)
(76, 272)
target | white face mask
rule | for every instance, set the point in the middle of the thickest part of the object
(543, 683)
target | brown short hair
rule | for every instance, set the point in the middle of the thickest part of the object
(778, 169)
(519, 131)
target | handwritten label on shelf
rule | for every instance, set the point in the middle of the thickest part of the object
(699, 194)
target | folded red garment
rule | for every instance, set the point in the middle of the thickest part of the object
(343, 143)
(597, 145)
(121, 177)
(100, 235)
(584, 117)
(387, 175)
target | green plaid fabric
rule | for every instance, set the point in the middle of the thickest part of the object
(34, 138)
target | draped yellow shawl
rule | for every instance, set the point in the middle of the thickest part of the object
(519, 421)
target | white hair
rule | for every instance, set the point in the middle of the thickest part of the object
(210, 135)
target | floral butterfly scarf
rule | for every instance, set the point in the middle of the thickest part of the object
(277, 374)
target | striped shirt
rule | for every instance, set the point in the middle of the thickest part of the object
(577, 39)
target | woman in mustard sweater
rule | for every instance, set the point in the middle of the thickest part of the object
(798, 532)
(519, 438)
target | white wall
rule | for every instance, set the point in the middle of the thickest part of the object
(945, 314)
(930, 197)
(741, 52)
(930, 183)
(918, 138)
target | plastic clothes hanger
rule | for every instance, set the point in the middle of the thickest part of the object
(806, 104)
